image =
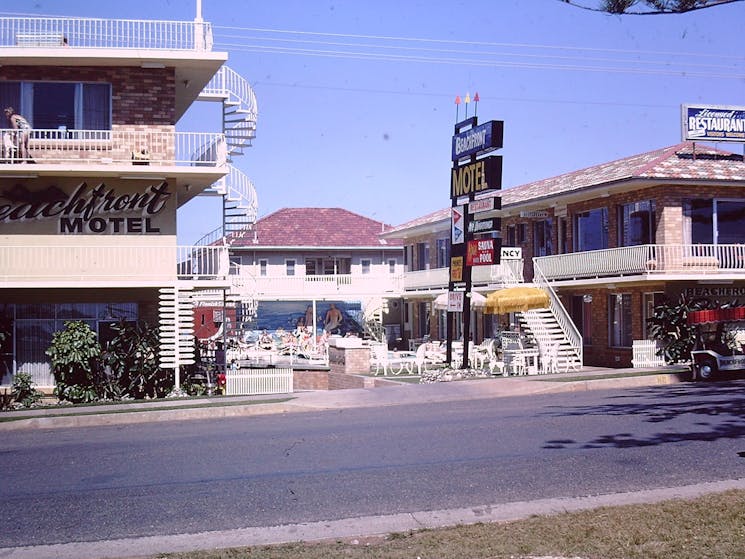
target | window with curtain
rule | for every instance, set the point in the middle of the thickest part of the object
(443, 253)
(591, 230)
(542, 245)
(636, 223)
(422, 256)
(365, 263)
(717, 221)
(60, 105)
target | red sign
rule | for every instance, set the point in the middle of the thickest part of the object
(480, 252)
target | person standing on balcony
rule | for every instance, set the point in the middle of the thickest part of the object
(21, 127)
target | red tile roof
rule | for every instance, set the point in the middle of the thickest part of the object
(672, 163)
(666, 164)
(315, 227)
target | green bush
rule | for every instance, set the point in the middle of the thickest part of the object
(23, 390)
(131, 360)
(76, 362)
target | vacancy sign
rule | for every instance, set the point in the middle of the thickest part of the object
(480, 252)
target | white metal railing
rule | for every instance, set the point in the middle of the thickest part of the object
(337, 285)
(75, 32)
(438, 278)
(31, 263)
(142, 147)
(559, 312)
(229, 84)
(681, 259)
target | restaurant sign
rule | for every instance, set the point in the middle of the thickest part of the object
(714, 123)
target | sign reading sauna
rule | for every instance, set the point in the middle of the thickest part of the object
(84, 209)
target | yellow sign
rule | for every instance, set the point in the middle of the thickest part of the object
(456, 268)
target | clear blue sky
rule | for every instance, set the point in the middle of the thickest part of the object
(368, 127)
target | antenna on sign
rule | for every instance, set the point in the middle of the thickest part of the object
(457, 103)
(475, 103)
(467, 100)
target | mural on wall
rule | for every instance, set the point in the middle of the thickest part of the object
(87, 207)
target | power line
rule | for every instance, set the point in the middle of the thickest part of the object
(383, 57)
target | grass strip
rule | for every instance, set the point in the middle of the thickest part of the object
(712, 526)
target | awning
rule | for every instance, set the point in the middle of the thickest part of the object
(516, 299)
(441, 301)
(715, 315)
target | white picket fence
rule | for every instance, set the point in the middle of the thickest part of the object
(245, 382)
(645, 354)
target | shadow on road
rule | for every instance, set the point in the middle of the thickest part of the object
(723, 400)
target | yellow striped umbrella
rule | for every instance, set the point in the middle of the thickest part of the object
(516, 299)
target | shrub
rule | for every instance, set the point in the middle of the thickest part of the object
(75, 354)
(131, 360)
(23, 390)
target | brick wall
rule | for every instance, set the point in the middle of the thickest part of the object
(139, 95)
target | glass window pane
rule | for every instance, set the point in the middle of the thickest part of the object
(77, 310)
(730, 218)
(54, 105)
(35, 311)
(33, 338)
(591, 230)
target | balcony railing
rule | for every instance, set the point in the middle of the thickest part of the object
(337, 285)
(507, 272)
(140, 147)
(645, 260)
(24, 32)
(111, 263)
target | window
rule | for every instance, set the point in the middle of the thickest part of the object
(422, 256)
(522, 233)
(60, 105)
(511, 236)
(443, 253)
(310, 267)
(365, 263)
(290, 267)
(563, 247)
(636, 224)
(392, 266)
(591, 230)
(619, 320)
(542, 238)
(715, 221)
(262, 267)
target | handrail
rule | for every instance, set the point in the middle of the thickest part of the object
(156, 147)
(234, 88)
(644, 260)
(77, 32)
(559, 311)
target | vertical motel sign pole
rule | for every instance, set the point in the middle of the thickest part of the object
(472, 175)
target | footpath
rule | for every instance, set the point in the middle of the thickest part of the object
(399, 393)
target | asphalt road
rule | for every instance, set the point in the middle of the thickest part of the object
(91, 484)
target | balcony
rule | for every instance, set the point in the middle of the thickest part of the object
(110, 265)
(436, 279)
(120, 147)
(52, 32)
(650, 262)
(336, 286)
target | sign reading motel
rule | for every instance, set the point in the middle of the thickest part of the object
(713, 123)
(479, 139)
(478, 176)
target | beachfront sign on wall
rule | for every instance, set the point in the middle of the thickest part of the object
(79, 207)
(713, 123)
(479, 139)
